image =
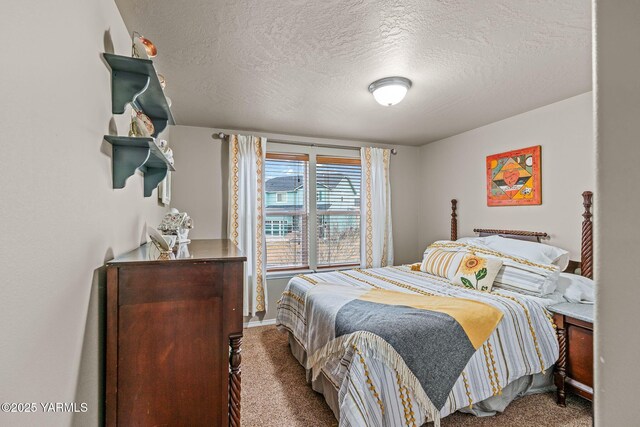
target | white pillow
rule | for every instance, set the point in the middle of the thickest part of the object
(436, 243)
(577, 289)
(532, 251)
(526, 277)
(476, 241)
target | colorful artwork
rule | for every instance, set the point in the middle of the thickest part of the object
(513, 178)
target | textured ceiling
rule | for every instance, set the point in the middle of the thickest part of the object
(302, 67)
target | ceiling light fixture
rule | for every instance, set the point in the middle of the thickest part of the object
(390, 90)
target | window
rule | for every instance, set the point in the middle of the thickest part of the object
(292, 202)
(286, 211)
(338, 214)
(277, 228)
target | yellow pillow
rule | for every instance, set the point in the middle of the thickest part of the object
(441, 263)
(477, 272)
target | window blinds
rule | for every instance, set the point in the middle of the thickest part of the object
(338, 211)
(286, 211)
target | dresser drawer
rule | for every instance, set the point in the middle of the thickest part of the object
(147, 284)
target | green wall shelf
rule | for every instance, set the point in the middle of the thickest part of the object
(132, 153)
(134, 80)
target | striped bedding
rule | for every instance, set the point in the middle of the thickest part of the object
(517, 274)
(372, 394)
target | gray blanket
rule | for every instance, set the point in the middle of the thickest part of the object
(427, 339)
(433, 345)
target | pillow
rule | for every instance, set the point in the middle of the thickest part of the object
(527, 277)
(533, 251)
(477, 272)
(441, 263)
(517, 273)
(438, 244)
(577, 289)
(472, 240)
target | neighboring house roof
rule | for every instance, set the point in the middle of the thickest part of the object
(331, 180)
(283, 183)
(293, 182)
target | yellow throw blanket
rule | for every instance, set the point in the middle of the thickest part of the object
(476, 318)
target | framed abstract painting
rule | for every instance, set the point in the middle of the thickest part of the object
(514, 178)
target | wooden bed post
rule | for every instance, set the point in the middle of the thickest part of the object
(561, 320)
(454, 220)
(235, 385)
(586, 251)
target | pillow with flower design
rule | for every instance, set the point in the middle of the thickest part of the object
(477, 272)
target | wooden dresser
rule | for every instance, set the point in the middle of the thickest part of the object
(574, 369)
(174, 330)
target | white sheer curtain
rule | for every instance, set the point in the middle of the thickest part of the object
(246, 213)
(376, 247)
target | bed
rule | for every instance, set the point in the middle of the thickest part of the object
(423, 374)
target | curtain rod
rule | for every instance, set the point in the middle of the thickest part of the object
(222, 135)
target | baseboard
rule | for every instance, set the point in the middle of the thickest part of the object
(254, 323)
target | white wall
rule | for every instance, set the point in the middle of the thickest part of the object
(61, 218)
(617, 88)
(200, 188)
(455, 168)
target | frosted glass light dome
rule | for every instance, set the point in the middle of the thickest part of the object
(390, 90)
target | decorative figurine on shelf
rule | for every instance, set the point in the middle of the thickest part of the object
(141, 124)
(162, 80)
(169, 154)
(162, 144)
(177, 223)
(142, 47)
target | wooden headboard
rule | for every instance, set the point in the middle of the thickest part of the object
(586, 250)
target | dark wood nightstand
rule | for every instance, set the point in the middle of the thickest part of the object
(574, 369)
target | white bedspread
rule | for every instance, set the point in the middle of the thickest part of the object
(371, 394)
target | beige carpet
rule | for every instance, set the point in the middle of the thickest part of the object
(275, 393)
